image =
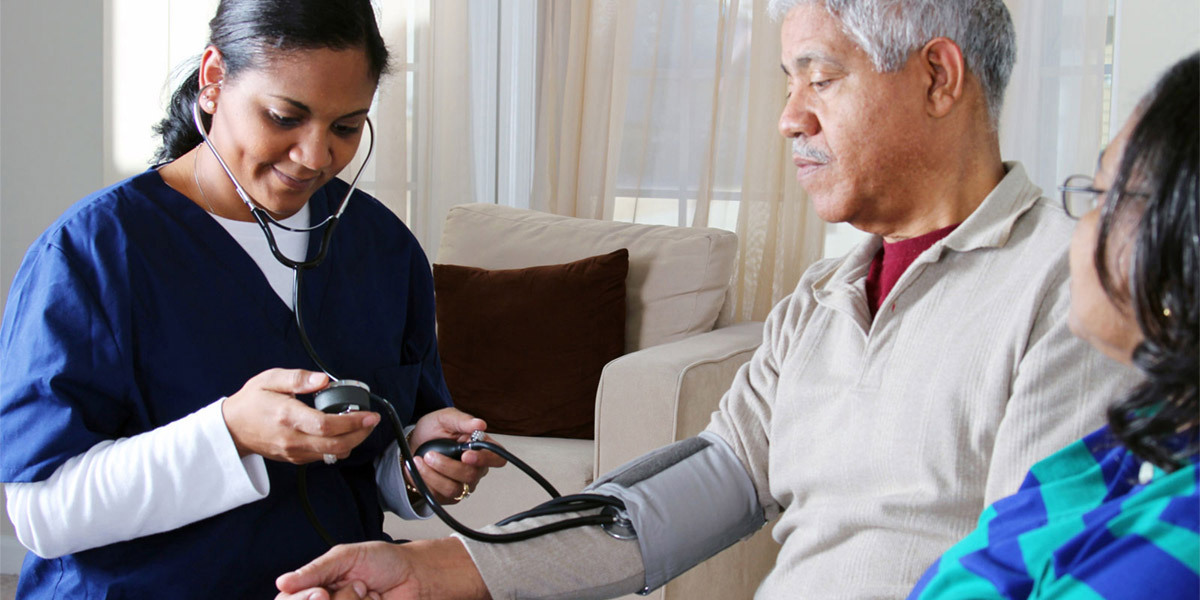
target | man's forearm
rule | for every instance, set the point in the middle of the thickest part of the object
(584, 562)
(686, 502)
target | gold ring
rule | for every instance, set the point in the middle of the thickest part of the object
(466, 491)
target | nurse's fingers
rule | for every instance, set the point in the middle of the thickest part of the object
(355, 591)
(254, 414)
(290, 381)
(457, 471)
(313, 594)
(310, 420)
(313, 422)
(323, 434)
(445, 487)
(264, 418)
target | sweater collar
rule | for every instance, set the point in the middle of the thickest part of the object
(992, 223)
(990, 226)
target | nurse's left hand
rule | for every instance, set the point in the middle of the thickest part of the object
(451, 480)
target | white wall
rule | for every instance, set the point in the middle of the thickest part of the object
(51, 117)
(51, 132)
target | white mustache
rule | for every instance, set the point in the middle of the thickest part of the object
(806, 152)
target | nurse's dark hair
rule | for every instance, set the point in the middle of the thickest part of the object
(247, 31)
(1153, 205)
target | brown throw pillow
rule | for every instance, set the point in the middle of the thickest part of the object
(523, 348)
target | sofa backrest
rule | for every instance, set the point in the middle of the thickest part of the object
(678, 276)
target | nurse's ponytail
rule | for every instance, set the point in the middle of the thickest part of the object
(247, 31)
(177, 130)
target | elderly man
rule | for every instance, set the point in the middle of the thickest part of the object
(898, 390)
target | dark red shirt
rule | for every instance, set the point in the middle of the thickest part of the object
(893, 260)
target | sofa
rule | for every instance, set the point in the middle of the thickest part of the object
(681, 353)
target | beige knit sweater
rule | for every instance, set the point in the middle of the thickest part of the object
(876, 444)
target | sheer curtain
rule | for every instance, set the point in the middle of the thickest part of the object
(583, 68)
(421, 166)
(664, 111)
(1056, 106)
(455, 116)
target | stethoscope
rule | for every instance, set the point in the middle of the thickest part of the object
(344, 395)
(265, 221)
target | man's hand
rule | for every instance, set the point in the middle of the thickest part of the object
(422, 569)
(265, 418)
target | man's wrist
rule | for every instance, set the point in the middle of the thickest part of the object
(450, 571)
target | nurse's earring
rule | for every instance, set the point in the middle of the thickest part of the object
(210, 102)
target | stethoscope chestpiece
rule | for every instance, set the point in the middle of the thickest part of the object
(343, 396)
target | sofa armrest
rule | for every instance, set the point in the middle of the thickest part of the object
(658, 395)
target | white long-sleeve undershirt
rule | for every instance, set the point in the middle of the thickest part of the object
(123, 489)
(153, 482)
(293, 244)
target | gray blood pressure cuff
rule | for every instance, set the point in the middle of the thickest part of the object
(686, 502)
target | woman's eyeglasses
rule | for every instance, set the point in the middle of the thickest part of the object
(1079, 196)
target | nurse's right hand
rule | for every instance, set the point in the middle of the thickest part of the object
(265, 418)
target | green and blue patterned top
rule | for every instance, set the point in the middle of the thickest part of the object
(1091, 521)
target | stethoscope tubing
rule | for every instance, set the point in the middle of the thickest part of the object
(264, 218)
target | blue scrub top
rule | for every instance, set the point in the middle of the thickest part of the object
(136, 308)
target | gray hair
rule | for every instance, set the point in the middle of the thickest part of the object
(890, 30)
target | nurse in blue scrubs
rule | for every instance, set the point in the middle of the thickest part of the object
(151, 392)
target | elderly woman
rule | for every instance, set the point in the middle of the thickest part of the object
(1115, 514)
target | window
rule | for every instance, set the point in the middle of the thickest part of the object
(144, 42)
(685, 114)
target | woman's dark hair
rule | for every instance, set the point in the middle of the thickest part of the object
(1157, 188)
(246, 30)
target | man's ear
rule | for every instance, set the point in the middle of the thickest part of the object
(947, 72)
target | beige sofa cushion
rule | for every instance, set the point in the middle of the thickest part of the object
(678, 276)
